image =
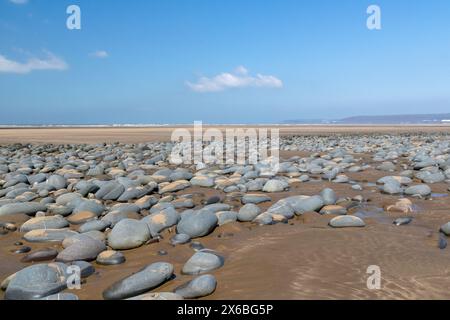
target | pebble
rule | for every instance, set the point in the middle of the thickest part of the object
(402, 221)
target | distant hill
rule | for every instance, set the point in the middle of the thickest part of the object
(382, 119)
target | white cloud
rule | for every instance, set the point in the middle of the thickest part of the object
(50, 62)
(100, 54)
(239, 78)
(18, 1)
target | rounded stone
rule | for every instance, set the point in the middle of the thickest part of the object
(197, 223)
(198, 287)
(21, 250)
(346, 222)
(445, 229)
(248, 212)
(40, 255)
(128, 234)
(47, 222)
(275, 186)
(144, 280)
(418, 190)
(202, 262)
(84, 250)
(180, 238)
(225, 217)
(97, 225)
(37, 281)
(110, 257)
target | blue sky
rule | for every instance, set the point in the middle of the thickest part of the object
(221, 61)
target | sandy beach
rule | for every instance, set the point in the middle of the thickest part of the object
(303, 258)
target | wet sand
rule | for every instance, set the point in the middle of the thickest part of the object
(303, 259)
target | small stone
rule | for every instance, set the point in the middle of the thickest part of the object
(50, 222)
(346, 221)
(37, 281)
(162, 252)
(20, 250)
(248, 212)
(418, 190)
(402, 221)
(110, 257)
(197, 223)
(180, 238)
(144, 280)
(40, 255)
(197, 246)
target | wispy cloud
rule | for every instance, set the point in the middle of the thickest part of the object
(239, 78)
(99, 54)
(49, 62)
(18, 1)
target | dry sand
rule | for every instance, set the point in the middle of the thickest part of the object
(140, 134)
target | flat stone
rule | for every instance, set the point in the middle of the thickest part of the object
(346, 222)
(81, 217)
(48, 235)
(49, 222)
(180, 238)
(40, 255)
(158, 296)
(248, 212)
(22, 207)
(37, 281)
(198, 287)
(202, 262)
(255, 198)
(144, 280)
(85, 250)
(128, 234)
(197, 224)
(161, 220)
(110, 257)
(99, 225)
(418, 190)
